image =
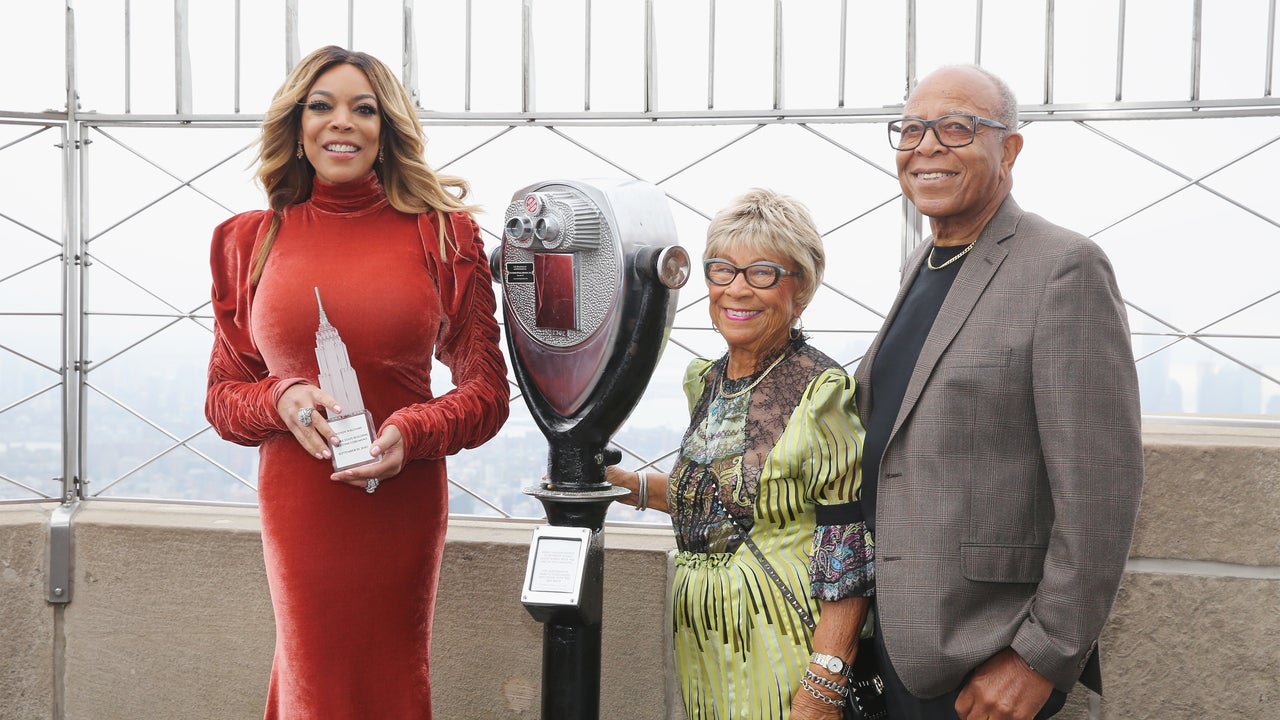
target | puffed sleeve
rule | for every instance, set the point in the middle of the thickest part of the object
(695, 381)
(240, 400)
(843, 561)
(477, 406)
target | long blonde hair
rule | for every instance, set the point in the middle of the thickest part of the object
(411, 186)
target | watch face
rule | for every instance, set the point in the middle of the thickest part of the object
(835, 665)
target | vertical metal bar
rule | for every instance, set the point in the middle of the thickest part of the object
(650, 59)
(1271, 46)
(977, 36)
(1197, 17)
(466, 98)
(526, 56)
(58, 590)
(777, 54)
(912, 230)
(236, 91)
(1120, 54)
(711, 55)
(586, 62)
(72, 254)
(844, 43)
(80, 478)
(181, 57)
(61, 556)
(128, 59)
(291, 52)
(1048, 51)
(409, 56)
(911, 48)
(351, 24)
(912, 222)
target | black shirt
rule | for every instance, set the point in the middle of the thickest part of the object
(896, 361)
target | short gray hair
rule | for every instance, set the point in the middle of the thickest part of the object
(1007, 112)
(777, 225)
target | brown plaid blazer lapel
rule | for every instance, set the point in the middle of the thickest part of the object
(975, 275)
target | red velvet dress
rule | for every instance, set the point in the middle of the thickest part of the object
(353, 575)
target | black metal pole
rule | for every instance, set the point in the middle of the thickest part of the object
(571, 637)
(570, 671)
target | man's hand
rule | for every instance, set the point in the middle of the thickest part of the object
(1003, 688)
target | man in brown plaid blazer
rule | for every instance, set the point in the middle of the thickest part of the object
(1003, 460)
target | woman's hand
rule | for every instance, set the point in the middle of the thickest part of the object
(655, 487)
(303, 401)
(388, 449)
(807, 707)
(837, 634)
(625, 479)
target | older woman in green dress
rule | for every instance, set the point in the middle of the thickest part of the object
(771, 460)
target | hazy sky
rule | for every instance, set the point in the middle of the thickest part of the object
(1188, 257)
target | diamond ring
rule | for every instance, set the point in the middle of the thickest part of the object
(371, 485)
(304, 416)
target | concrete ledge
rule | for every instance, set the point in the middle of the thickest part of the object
(170, 616)
(26, 620)
(1210, 494)
(486, 657)
(1193, 647)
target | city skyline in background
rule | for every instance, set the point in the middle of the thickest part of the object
(1177, 197)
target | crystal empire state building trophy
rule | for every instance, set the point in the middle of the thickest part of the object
(354, 427)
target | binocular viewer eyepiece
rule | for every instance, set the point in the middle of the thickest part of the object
(589, 272)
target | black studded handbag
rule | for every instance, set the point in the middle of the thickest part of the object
(866, 687)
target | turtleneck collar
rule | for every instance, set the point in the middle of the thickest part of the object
(355, 197)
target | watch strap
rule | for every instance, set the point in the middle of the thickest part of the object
(827, 661)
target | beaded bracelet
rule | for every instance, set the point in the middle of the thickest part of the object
(837, 702)
(829, 684)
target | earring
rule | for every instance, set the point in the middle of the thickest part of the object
(797, 330)
(300, 153)
(380, 159)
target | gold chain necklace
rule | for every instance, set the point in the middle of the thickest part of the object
(748, 388)
(961, 254)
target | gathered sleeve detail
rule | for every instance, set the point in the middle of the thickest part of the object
(468, 343)
(843, 560)
(241, 395)
(695, 380)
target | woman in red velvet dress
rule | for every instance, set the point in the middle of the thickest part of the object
(400, 266)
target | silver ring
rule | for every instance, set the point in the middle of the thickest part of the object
(304, 416)
(371, 485)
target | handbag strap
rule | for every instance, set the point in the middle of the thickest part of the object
(805, 617)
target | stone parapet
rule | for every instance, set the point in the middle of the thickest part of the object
(1211, 494)
(27, 634)
(170, 616)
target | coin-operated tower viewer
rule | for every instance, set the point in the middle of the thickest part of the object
(590, 272)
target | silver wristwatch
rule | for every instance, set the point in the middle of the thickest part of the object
(830, 662)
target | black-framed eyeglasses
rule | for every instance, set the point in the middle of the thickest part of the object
(951, 130)
(761, 275)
